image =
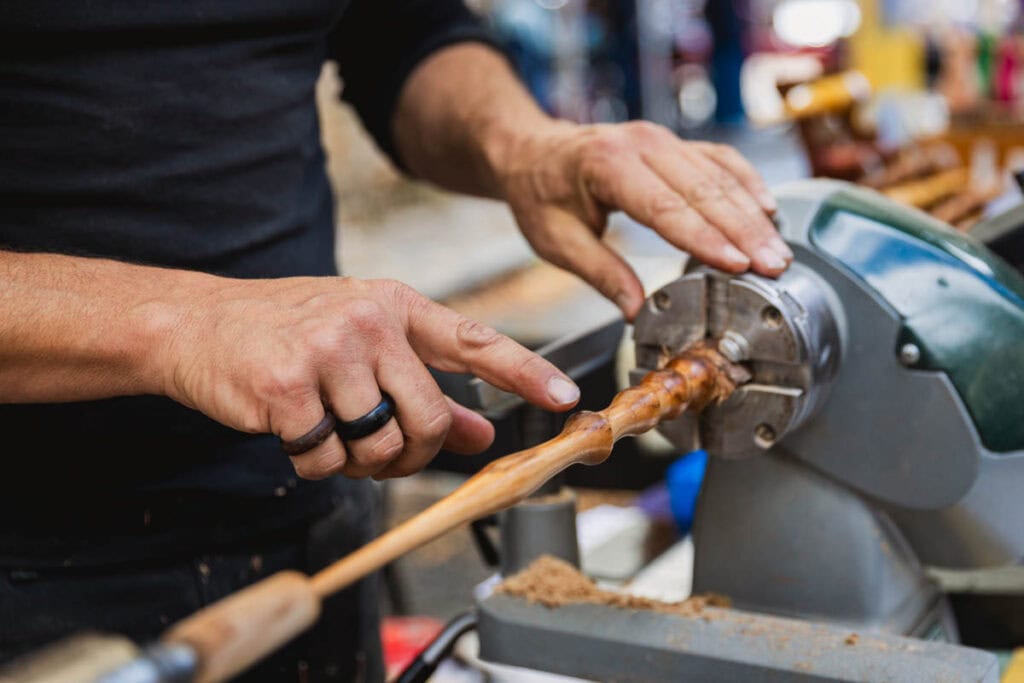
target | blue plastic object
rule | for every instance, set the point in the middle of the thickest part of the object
(684, 479)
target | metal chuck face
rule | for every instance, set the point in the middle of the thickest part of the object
(782, 330)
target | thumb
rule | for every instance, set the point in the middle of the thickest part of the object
(569, 243)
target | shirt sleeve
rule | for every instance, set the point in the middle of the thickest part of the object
(378, 43)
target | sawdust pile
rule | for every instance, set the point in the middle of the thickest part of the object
(555, 583)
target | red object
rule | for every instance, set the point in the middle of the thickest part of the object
(1006, 71)
(404, 638)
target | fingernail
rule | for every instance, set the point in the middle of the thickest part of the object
(735, 257)
(782, 249)
(562, 391)
(770, 258)
(767, 200)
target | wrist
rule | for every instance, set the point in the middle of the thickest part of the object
(508, 150)
(165, 323)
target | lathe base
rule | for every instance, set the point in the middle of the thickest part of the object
(779, 538)
(611, 644)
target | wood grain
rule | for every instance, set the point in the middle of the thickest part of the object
(694, 379)
(233, 633)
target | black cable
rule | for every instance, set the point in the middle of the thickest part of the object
(426, 662)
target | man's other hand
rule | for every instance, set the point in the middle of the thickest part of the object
(704, 198)
(269, 356)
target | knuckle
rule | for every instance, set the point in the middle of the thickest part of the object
(281, 382)
(416, 305)
(728, 183)
(303, 469)
(435, 422)
(309, 472)
(406, 299)
(705, 191)
(365, 315)
(529, 367)
(438, 423)
(324, 338)
(398, 290)
(472, 335)
(748, 233)
(349, 282)
(727, 151)
(384, 447)
(253, 422)
(605, 149)
(597, 169)
(610, 142)
(319, 465)
(661, 205)
(647, 131)
(704, 233)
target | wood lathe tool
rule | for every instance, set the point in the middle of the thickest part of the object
(230, 635)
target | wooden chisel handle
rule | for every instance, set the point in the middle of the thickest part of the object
(241, 629)
(235, 632)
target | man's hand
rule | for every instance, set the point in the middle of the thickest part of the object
(465, 122)
(262, 356)
(267, 356)
(702, 197)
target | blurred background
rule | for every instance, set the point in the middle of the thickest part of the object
(919, 99)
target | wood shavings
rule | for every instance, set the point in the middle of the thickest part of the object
(555, 583)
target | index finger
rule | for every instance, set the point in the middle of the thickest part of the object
(448, 341)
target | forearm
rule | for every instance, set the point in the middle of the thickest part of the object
(460, 115)
(79, 328)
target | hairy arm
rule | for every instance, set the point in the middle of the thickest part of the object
(464, 121)
(460, 115)
(79, 328)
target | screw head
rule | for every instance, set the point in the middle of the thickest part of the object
(729, 348)
(764, 435)
(910, 354)
(733, 346)
(771, 317)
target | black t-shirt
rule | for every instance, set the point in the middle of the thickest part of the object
(181, 134)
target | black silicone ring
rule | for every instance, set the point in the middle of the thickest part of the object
(367, 424)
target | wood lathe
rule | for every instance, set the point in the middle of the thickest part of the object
(864, 414)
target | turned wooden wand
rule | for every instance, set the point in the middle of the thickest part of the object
(239, 630)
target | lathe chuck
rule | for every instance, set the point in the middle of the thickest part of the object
(784, 331)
